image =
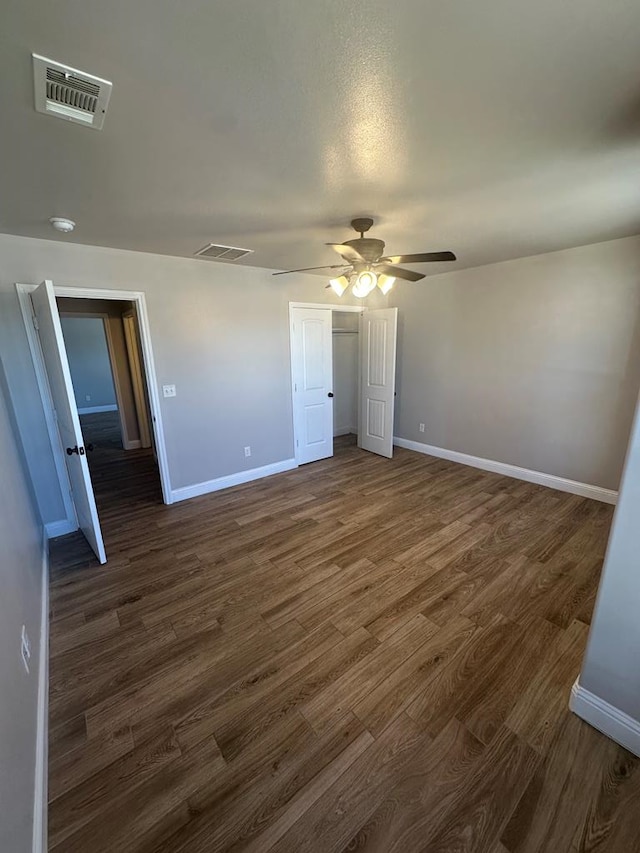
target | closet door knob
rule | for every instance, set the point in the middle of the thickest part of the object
(330, 394)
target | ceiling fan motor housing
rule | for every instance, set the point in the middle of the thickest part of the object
(370, 248)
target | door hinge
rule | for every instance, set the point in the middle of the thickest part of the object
(295, 386)
(36, 325)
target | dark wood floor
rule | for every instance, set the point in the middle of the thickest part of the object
(102, 429)
(359, 654)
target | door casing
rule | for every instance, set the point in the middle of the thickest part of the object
(355, 309)
(68, 525)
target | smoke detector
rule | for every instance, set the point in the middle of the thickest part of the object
(65, 226)
(216, 252)
(67, 93)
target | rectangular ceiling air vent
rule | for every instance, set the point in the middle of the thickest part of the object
(67, 93)
(215, 252)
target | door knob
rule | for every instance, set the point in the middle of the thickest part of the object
(330, 394)
(89, 446)
(76, 449)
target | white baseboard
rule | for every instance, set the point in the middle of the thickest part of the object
(59, 528)
(345, 431)
(585, 490)
(136, 444)
(608, 719)
(91, 410)
(42, 736)
(197, 489)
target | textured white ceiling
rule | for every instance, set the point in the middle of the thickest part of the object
(495, 129)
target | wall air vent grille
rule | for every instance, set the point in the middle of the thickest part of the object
(215, 252)
(69, 94)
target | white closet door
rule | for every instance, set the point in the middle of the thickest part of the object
(378, 338)
(57, 366)
(312, 383)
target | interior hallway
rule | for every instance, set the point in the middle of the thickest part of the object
(358, 654)
(122, 479)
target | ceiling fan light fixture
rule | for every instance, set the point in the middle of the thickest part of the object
(364, 283)
(339, 284)
(386, 282)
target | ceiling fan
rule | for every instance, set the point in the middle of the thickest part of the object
(364, 266)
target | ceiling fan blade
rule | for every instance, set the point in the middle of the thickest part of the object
(399, 272)
(421, 258)
(348, 252)
(308, 269)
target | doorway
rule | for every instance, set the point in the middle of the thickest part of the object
(102, 341)
(345, 351)
(349, 351)
(132, 425)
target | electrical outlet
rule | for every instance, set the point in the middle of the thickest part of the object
(87, 397)
(421, 427)
(169, 390)
(25, 648)
(247, 451)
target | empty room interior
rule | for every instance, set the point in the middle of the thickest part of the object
(320, 453)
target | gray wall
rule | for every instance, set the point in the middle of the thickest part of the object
(86, 346)
(20, 604)
(220, 334)
(610, 668)
(534, 362)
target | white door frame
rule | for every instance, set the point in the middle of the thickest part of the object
(353, 309)
(23, 291)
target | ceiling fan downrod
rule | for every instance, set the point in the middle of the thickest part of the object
(361, 225)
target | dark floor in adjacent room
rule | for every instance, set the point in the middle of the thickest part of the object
(358, 654)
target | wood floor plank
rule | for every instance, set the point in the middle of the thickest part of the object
(558, 798)
(418, 598)
(347, 690)
(486, 798)
(266, 799)
(361, 653)
(486, 707)
(543, 703)
(346, 805)
(381, 704)
(258, 686)
(132, 817)
(70, 769)
(83, 804)
(426, 787)
(606, 828)
(235, 728)
(460, 684)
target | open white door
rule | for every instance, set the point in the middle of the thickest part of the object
(378, 336)
(312, 374)
(57, 365)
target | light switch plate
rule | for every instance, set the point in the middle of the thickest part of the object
(169, 390)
